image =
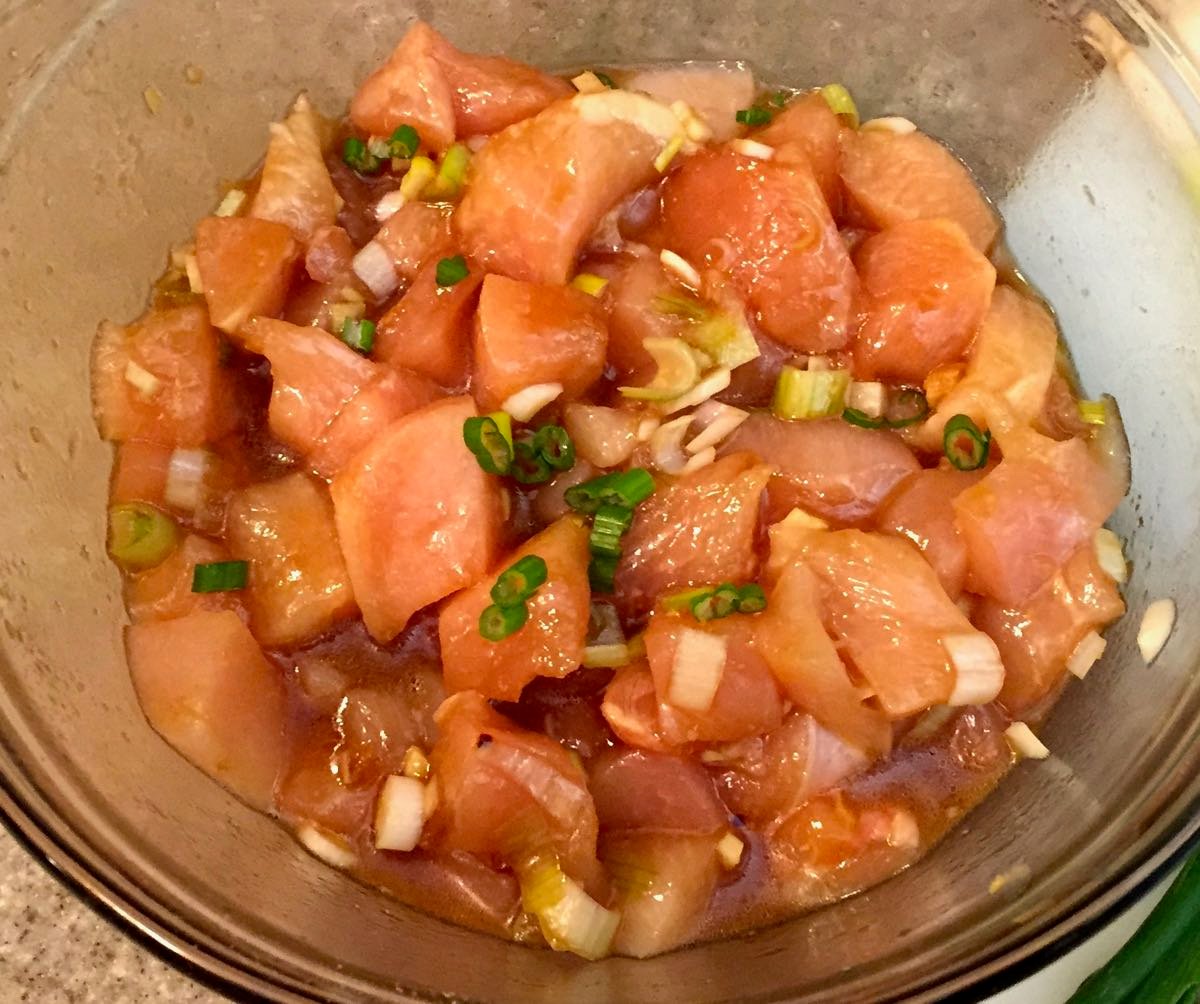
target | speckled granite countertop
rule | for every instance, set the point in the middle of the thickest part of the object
(54, 949)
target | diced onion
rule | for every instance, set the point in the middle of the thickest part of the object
(195, 280)
(647, 427)
(524, 404)
(569, 918)
(681, 267)
(711, 385)
(1024, 743)
(328, 847)
(389, 205)
(978, 671)
(399, 813)
(373, 265)
(1086, 654)
(698, 131)
(141, 379)
(232, 202)
(185, 479)
(752, 148)
(678, 368)
(904, 833)
(697, 670)
(869, 398)
(729, 850)
(607, 656)
(666, 445)
(1110, 556)
(891, 123)
(699, 460)
(1157, 623)
(817, 364)
(416, 764)
(716, 421)
(588, 83)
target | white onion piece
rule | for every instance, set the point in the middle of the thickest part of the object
(978, 671)
(869, 398)
(195, 280)
(815, 363)
(232, 202)
(607, 656)
(716, 422)
(713, 384)
(389, 205)
(416, 764)
(1110, 555)
(666, 445)
(647, 427)
(185, 479)
(681, 267)
(889, 123)
(588, 83)
(752, 149)
(328, 847)
(1157, 623)
(604, 437)
(1086, 654)
(1024, 743)
(697, 670)
(700, 460)
(373, 265)
(524, 404)
(399, 813)
(904, 833)
(141, 379)
(729, 850)
(579, 922)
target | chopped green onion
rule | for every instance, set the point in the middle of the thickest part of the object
(358, 334)
(139, 535)
(605, 79)
(491, 444)
(451, 271)
(805, 394)
(716, 603)
(751, 599)
(452, 174)
(529, 467)
(755, 116)
(503, 422)
(862, 419)
(611, 518)
(965, 446)
(679, 602)
(680, 306)
(518, 582)
(724, 338)
(780, 99)
(553, 444)
(601, 572)
(604, 543)
(678, 370)
(496, 623)
(418, 177)
(906, 407)
(1093, 412)
(626, 488)
(404, 142)
(219, 576)
(356, 154)
(841, 103)
(588, 283)
(379, 147)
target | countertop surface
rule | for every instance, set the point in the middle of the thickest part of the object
(54, 949)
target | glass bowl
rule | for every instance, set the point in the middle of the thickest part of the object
(96, 185)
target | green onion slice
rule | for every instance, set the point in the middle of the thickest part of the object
(841, 104)
(601, 572)
(140, 535)
(752, 599)
(611, 518)
(496, 623)
(517, 583)
(404, 142)
(1093, 412)
(862, 419)
(679, 602)
(358, 334)
(528, 466)
(451, 271)
(964, 445)
(805, 394)
(452, 172)
(755, 116)
(491, 444)
(553, 444)
(906, 407)
(605, 79)
(624, 488)
(219, 576)
(357, 156)
(716, 603)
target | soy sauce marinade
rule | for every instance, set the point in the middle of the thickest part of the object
(606, 513)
